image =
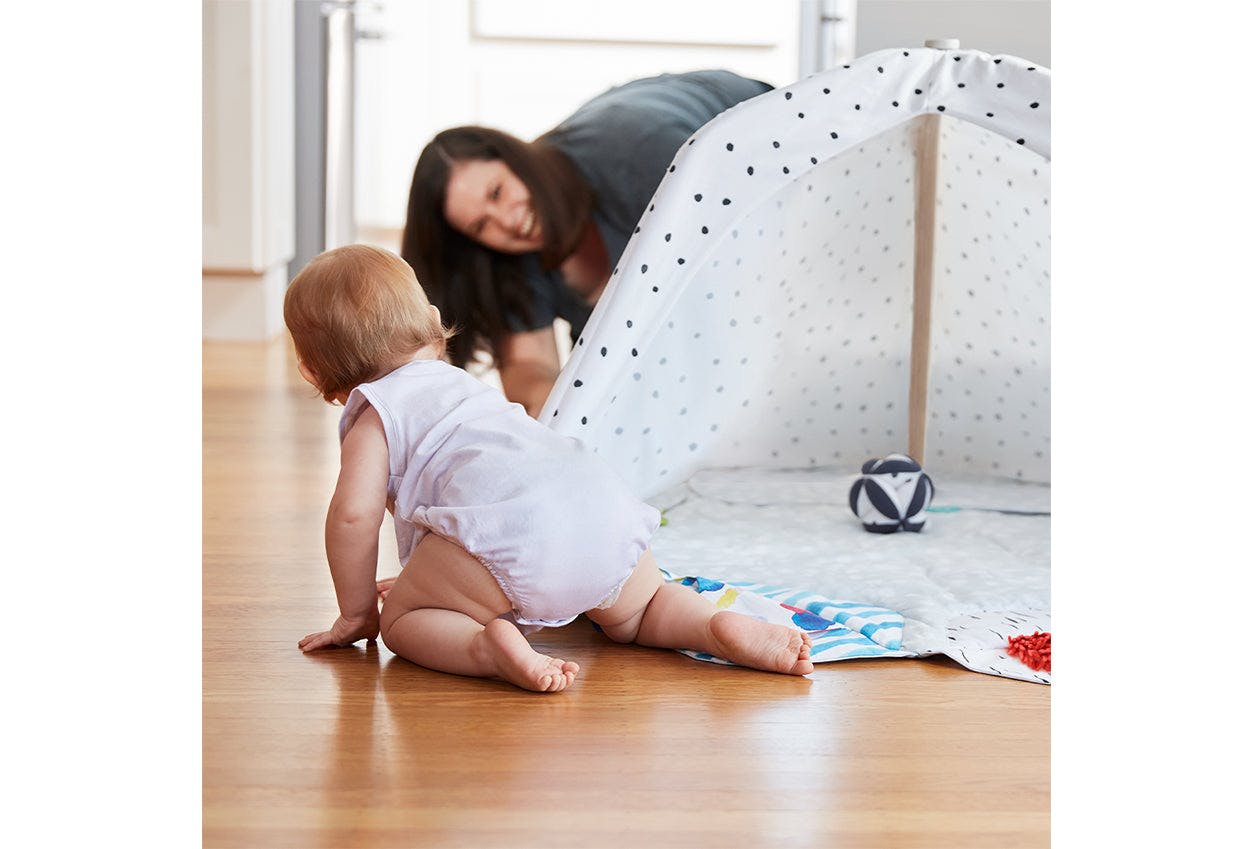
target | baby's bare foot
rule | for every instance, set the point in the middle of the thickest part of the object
(761, 645)
(518, 663)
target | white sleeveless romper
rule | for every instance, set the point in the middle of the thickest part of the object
(555, 526)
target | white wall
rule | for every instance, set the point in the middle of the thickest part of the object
(248, 205)
(1017, 27)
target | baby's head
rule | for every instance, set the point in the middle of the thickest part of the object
(356, 313)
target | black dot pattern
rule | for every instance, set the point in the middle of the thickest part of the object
(989, 400)
(774, 329)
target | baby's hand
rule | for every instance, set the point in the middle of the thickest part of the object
(384, 586)
(344, 632)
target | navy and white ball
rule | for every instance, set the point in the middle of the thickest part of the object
(891, 495)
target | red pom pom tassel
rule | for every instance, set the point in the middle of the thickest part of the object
(1033, 649)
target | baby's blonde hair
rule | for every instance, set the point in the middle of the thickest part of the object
(355, 313)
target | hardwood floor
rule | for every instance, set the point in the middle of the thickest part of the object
(358, 748)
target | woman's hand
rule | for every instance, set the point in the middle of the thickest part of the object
(384, 586)
(344, 632)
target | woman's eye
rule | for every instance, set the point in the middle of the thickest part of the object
(496, 192)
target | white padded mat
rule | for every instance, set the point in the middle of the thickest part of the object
(964, 585)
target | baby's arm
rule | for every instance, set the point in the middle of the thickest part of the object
(352, 533)
(384, 585)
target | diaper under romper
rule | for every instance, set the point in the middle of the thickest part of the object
(555, 526)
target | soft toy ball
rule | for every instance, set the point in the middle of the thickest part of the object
(891, 495)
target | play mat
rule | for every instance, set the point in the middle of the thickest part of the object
(971, 581)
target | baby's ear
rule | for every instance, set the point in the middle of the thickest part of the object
(435, 312)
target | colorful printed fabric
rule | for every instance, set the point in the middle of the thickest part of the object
(840, 630)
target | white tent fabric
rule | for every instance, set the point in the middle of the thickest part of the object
(760, 315)
(761, 319)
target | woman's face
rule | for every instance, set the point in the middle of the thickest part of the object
(487, 202)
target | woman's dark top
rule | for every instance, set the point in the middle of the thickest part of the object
(621, 142)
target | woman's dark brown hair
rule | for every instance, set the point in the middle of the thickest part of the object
(475, 287)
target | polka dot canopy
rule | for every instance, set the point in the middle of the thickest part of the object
(761, 314)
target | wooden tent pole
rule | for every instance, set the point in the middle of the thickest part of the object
(927, 156)
(924, 256)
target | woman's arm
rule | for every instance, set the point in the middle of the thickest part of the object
(352, 533)
(529, 364)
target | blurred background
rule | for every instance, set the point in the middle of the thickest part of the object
(314, 111)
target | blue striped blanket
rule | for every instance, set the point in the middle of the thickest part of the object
(839, 630)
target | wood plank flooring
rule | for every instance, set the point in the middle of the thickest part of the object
(358, 748)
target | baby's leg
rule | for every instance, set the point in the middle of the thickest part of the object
(651, 612)
(442, 614)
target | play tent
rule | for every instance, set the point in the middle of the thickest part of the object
(853, 265)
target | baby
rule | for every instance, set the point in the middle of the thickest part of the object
(503, 526)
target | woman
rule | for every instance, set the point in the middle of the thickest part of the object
(507, 235)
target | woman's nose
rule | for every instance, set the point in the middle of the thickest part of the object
(509, 216)
(500, 212)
